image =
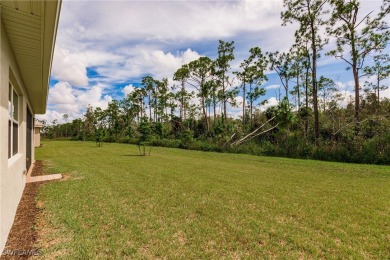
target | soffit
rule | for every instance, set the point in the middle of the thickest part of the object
(31, 28)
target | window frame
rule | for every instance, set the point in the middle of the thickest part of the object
(13, 119)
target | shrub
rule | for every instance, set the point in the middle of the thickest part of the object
(377, 150)
(186, 137)
(172, 143)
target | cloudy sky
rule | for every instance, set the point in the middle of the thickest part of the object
(103, 48)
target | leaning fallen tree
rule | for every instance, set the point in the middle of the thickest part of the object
(281, 115)
(255, 133)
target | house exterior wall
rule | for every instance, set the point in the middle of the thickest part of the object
(37, 136)
(13, 170)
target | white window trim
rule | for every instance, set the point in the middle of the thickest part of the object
(11, 118)
(14, 159)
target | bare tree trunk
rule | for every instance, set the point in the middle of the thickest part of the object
(254, 133)
(299, 94)
(378, 87)
(209, 107)
(307, 100)
(250, 105)
(224, 100)
(314, 79)
(357, 96)
(184, 111)
(205, 113)
(215, 109)
(150, 110)
(243, 103)
(324, 100)
(155, 109)
(286, 88)
(182, 101)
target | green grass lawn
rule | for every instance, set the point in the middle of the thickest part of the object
(178, 203)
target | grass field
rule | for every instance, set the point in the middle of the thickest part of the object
(178, 203)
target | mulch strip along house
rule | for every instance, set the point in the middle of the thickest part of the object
(28, 32)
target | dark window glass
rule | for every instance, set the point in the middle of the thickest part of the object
(13, 123)
(9, 139)
(10, 101)
(9, 92)
(16, 106)
(15, 139)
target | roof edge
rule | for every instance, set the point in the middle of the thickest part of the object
(51, 17)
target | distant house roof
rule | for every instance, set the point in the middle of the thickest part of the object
(31, 28)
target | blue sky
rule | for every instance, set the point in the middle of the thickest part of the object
(104, 48)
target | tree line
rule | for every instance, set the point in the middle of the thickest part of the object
(309, 121)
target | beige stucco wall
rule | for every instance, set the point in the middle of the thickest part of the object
(37, 136)
(12, 171)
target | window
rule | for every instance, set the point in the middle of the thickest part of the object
(13, 121)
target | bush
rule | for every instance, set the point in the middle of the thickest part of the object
(110, 139)
(204, 145)
(186, 137)
(172, 143)
(377, 150)
(351, 150)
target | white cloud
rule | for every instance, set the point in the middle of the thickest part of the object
(346, 98)
(340, 85)
(97, 58)
(143, 60)
(351, 83)
(236, 111)
(274, 86)
(50, 116)
(70, 67)
(384, 93)
(239, 100)
(61, 93)
(161, 64)
(271, 102)
(193, 20)
(64, 99)
(130, 44)
(93, 97)
(128, 89)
